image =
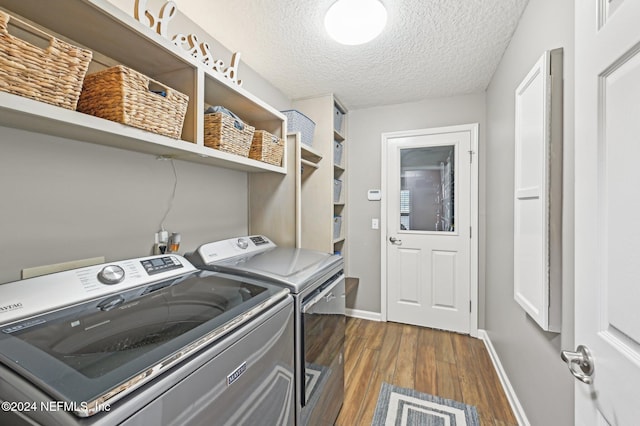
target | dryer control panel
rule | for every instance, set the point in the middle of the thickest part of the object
(227, 249)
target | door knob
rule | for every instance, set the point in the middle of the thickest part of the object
(395, 241)
(580, 363)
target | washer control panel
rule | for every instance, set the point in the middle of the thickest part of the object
(111, 274)
(24, 298)
(242, 243)
(259, 240)
(160, 264)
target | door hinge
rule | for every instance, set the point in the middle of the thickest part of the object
(470, 231)
(470, 306)
(471, 156)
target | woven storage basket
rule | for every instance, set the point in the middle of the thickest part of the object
(123, 95)
(267, 148)
(223, 132)
(52, 75)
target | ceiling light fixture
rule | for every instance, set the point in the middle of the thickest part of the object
(354, 22)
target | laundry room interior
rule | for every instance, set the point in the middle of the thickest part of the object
(355, 125)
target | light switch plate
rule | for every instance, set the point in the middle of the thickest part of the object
(375, 223)
(374, 195)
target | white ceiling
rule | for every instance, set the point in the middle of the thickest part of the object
(430, 48)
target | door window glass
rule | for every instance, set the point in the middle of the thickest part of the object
(427, 190)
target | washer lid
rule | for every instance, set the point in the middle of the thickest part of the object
(294, 267)
(98, 351)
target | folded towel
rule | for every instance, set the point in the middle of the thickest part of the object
(238, 123)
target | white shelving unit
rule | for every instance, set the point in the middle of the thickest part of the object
(317, 208)
(273, 200)
(309, 162)
(339, 169)
(117, 38)
(306, 220)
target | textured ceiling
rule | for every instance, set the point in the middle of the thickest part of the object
(430, 48)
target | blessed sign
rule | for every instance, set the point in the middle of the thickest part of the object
(200, 51)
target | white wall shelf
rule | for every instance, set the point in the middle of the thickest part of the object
(310, 154)
(309, 163)
(104, 28)
(27, 114)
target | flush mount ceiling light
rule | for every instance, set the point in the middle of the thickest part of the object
(355, 22)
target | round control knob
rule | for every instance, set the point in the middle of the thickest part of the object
(111, 274)
(243, 243)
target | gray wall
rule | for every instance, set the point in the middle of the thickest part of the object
(365, 127)
(529, 355)
(65, 200)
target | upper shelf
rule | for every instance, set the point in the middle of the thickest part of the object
(105, 28)
(27, 114)
(111, 33)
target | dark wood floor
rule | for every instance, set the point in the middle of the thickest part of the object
(437, 362)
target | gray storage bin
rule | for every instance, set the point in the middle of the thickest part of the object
(337, 119)
(337, 227)
(337, 189)
(337, 152)
(298, 122)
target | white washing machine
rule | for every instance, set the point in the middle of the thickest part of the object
(146, 341)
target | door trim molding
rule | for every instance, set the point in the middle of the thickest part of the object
(472, 128)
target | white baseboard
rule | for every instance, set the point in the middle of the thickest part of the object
(518, 411)
(368, 315)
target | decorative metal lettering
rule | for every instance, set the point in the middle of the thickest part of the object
(201, 52)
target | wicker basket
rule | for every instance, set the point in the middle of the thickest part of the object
(267, 148)
(225, 133)
(52, 75)
(123, 95)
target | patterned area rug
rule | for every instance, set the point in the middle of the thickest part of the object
(399, 406)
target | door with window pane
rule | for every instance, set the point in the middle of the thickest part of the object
(428, 218)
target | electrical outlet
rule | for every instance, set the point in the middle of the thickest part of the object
(375, 223)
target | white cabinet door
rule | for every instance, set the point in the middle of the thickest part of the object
(538, 192)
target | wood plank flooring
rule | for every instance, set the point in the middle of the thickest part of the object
(437, 362)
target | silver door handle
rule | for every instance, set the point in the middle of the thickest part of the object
(395, 241)
(580, 363)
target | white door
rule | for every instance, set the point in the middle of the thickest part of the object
(428, 227)
(607, 206)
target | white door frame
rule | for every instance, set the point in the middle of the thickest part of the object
(473, 220)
